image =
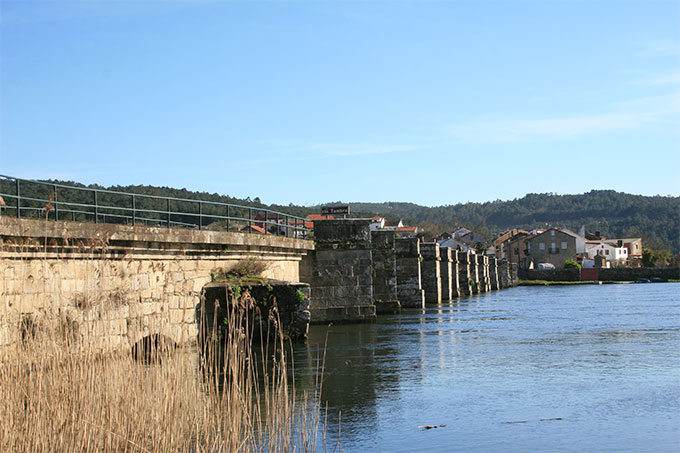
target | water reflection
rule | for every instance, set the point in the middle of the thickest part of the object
(603, 358)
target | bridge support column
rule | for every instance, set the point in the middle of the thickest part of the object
(432, 283)
(483, 273)
(446, 273)
(455, 277)
(493, 273)
(504, 274)
(340, 272)
(464, 277)
(409, 286)
(384, 264)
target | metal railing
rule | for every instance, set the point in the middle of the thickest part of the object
(24, 198)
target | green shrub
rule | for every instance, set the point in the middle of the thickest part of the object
(571, 264)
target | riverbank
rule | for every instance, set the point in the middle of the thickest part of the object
(570, 283)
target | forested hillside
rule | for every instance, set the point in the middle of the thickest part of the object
(614, 214)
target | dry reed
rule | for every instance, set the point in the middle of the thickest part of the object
(53, 399)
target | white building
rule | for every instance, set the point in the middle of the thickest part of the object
(609, 250)
(377, 223)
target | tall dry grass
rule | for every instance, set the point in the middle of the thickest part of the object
(222, 400)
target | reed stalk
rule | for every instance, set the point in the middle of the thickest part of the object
(233, 396)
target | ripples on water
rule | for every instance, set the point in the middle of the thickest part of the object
(605, 359)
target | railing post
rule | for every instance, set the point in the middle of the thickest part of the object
(250, 219)
(200, 214)
(134, 210)
(56, 204)
(227, 217)
(168, 208)
(96, 207)
(18, 200)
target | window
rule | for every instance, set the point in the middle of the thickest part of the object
(552, 233)
(606, 252)
(541, 245)
(564, 245)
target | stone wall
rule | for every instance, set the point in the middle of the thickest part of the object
(431, 272)
(617, 274)
(409, 288)
(555, 275)
(624, 274)
(112, 285)
(446, 269)
(340, 272)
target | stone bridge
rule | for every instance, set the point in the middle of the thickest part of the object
(114, 285)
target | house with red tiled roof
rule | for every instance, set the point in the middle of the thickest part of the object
(407, 231)
(254, 229)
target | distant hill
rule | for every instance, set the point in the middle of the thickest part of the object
(615, 214)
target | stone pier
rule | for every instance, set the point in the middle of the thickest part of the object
(514, 279)
(384, 258)
(464, 279)
(493, 274)
(340, 272)
(431, 272)
(474, 273)
(446, 271)
(455, 283)
(483, 273)
(409, 288)
(504, 274)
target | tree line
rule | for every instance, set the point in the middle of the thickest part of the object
(614, 214)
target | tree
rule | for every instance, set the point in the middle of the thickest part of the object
(571, 264)
(654, 258)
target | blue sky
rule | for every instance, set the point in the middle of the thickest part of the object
(433, 102)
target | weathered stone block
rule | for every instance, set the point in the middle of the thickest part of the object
(345, 233)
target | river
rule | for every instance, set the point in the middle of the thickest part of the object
(531, 369)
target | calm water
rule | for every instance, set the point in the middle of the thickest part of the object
(603, 358)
